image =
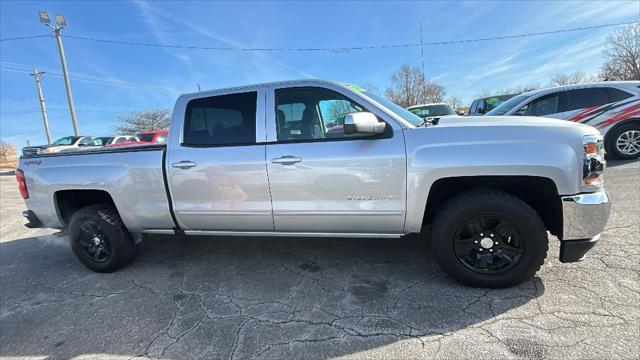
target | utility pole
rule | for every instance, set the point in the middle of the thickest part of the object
(421, 50)
(61, 23)
(424, 82)
(36, 75)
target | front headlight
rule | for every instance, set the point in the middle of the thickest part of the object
(594, 162)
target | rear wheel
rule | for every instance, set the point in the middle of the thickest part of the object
(99, 239)
(624, 142)
(489, 238)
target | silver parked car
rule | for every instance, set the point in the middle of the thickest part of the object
(611, 107)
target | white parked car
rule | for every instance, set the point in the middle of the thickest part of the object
(611, 107)
(66, 143)
(123, 139)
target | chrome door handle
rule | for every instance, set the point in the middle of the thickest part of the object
(286, 160)
(184, 164)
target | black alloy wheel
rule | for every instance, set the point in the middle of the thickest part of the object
(488, 244)
(94, 241)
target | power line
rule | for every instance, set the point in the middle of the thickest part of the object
(23, 68)
(24, 37)
(346, 49)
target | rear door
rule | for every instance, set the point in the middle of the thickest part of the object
(216, 168)
(325, 181)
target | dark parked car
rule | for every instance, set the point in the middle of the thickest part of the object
(484, 105)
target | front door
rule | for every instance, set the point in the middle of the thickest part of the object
(217, 174)
(325, 181)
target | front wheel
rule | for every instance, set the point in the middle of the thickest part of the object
(99, 239)
(624, 142)
(489, 238)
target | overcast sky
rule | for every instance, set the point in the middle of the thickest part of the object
(111, 79)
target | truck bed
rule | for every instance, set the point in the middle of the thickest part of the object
(133, 177)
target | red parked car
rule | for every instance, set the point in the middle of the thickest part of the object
(147, 137)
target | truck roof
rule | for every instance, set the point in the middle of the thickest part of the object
(285, 82)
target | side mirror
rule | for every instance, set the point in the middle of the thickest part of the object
(363, 123)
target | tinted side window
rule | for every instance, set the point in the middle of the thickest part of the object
(582, 98)
(221, 120)
(545, 105)
(310, 113)
(472, 108)
(616, 95)
(480, 107)
(87, 142)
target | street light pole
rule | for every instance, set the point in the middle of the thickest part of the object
(61, 23)
(72, 109)
(36, 74)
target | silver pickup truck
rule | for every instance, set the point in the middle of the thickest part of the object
(317, 158)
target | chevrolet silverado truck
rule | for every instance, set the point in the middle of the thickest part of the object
(266, 160)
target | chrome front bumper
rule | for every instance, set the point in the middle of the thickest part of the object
(584, 216)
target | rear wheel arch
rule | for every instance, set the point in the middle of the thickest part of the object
(68, 202)
(635, 120)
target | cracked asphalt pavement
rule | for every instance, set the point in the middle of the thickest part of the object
(246, 298)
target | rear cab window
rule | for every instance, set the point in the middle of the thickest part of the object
(221, 120)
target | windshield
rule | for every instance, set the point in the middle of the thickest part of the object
(67, 140)
(148, 137)
(396, 109)
(507, 105)
(432, 110)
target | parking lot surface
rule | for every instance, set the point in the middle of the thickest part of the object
(270, 298)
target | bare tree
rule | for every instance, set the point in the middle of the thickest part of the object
(623, 54)
(410, 87)
(7, 154)
(577, 77)
(455, 102)
(140, 121)
(337, 110)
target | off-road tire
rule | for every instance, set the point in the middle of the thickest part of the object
(494, 202)
(105, 217)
